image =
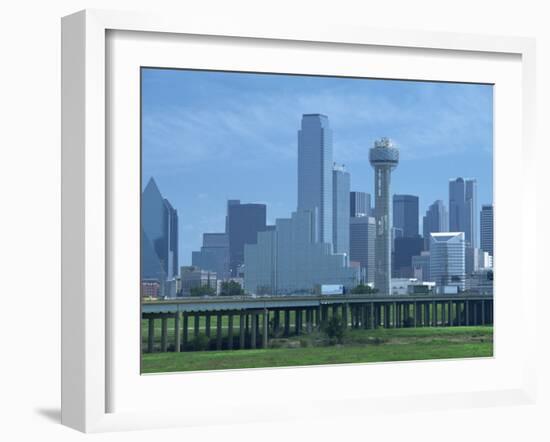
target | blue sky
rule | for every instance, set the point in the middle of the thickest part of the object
(212, 136)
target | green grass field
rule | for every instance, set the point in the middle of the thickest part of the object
(359, 346)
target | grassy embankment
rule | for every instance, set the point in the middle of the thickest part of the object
(358, 346)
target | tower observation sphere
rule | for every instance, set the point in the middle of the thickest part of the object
(383, 157)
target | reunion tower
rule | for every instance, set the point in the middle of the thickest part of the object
(383, 157)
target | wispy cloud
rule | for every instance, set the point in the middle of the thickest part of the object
(263, 125)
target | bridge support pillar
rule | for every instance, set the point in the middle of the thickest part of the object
(345, 315)
(297, 321)
(241, 329)
(230, 331)
(372, 315)
(185, 336)
(265, 332)
(164, 334)
(482, 312)
(309, 320)
(219, 331)
(151, 335)
(287, 323)
(450, 313)
(207, 324)
(177, 334)
(276, 321)
(253, 319)
(467, 311)
(196, 323)
(434, 314)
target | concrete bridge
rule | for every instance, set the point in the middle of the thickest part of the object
(250, 322)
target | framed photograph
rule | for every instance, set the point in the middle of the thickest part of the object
(253, 212)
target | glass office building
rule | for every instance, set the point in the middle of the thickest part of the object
(244, 221)
(361, 250)
(315, 173)
(341, 210)
(159, 235)
(463, 208)
(359, 204)
(405, 214)
(214, 254)
(289, 260)
(447, 259)
(486, 228)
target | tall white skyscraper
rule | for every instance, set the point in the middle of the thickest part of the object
(315, 173)
(340, 209)
(486, 228)
(463, 208)
(383, 157)
(362, 245)
(448, 259)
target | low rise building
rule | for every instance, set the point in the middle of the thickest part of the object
(194, 277)
(410, 286)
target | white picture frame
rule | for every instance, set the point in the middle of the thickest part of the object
(87, 356)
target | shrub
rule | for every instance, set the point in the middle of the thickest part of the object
(200, 343)
(335, 329)
(275, 343)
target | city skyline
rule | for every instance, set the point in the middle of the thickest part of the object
(208, 208)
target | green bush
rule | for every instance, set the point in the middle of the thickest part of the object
(201, 343)
(275, 343)
(335, 329)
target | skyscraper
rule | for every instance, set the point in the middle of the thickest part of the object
(486, 228)
(435, 220)
(244, 221)
(383, 157)
(315, 173)
(447, 259)
(463, 208)
(159, 237)
(471, 232)
(362, 231)
(340, 209)
(421, 266)
(288, 260)
(405, 214)
(214, 254)
(405, 248)
(359, 204)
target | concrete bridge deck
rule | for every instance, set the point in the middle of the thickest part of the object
(222, 303)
